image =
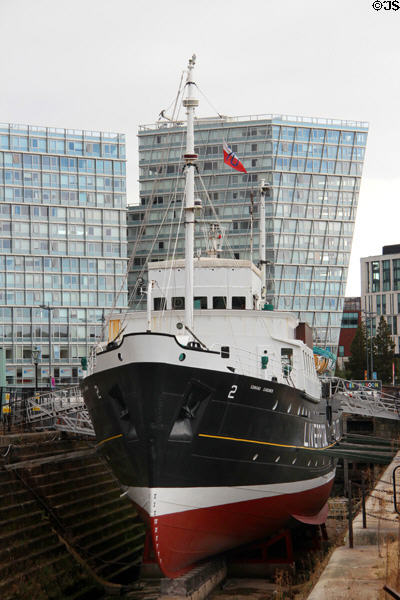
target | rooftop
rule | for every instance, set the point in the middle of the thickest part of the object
(57, 132)
(271, 118)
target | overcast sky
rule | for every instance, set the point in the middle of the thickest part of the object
(111, 65)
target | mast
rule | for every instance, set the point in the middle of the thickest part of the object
(149, 296)
(190, 103)
(263, 190)
(251, 224)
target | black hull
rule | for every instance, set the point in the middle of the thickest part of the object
(165, 425)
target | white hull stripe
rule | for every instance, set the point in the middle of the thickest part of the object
(163, 501)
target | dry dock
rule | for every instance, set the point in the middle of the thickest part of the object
(62, 516)
(361, 571)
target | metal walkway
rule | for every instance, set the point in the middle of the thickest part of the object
(65, 409)
(365, 402)
(61, 409)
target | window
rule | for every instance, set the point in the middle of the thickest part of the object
(160, 304)
(201, 302)
(213, 150)
(375, 277)
(396, 274)
(178, 302)
(341, 350)
(239, 302)
(386, 275)
(350, 320)
(287, 361)
(219, 302)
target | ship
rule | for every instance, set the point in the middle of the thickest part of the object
(208, 405)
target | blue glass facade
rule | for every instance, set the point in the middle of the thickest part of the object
(313, 168)
(62, 243)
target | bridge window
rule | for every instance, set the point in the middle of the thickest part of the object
(200, 302)
(219, 302)
(160, 303)
(239, 302)
(178, 302)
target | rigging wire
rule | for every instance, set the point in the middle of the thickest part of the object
(175, 115)
(180, 91)
(215, 214)
(174, 200)
(174, 102)
(209, 102)
(142, 230)
(174, 251)
(223, 119)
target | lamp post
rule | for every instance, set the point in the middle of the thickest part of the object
(49, 309)
(35, 359)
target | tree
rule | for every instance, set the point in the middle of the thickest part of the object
(383, 351)
(358, 360)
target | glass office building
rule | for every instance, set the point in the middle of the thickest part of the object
(313, 170)
(380, 291)
(62, 245)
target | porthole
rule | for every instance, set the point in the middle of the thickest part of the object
(277, 459)
(182, 356)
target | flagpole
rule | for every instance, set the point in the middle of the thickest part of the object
(190, 103)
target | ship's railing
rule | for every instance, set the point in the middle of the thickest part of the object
(363, 401)
(248, 363)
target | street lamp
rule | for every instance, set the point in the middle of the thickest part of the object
(35, 359)
(49, 309)
(368, 315)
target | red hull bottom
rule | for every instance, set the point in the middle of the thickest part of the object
(182, 539)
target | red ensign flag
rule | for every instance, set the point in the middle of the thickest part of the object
(232, 160)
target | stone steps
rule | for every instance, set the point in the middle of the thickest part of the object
(77, 496)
